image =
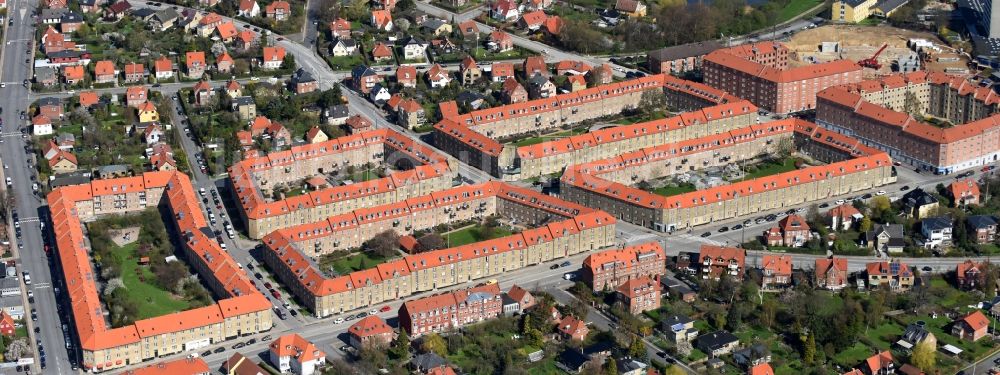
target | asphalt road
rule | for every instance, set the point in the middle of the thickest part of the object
(31, 258)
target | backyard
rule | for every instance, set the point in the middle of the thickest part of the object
(769, 167)
(680, 188)
(475, 233)
(137, 279)
(549, 137)
(346, 264)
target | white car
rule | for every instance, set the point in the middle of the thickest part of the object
(839, 202)
(372, 312)
(880, 192)
(338, 321)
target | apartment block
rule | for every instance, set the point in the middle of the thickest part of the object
(253, 178)
(241, 311)
(558, 229)
(474, 137)
(873, 112)
(605, 184)
(759, 72)
(450, 311)
(608, 269)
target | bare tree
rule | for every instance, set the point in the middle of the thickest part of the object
(384, 244)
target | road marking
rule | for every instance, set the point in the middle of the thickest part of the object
(28, 220)
(42, 286)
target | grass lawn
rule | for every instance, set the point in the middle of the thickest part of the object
(695, 355)
(884, 335)
(771, 167)
(546, 366)
(294, 192)
(354, 262)
(796, 7)
(550, 137)
(473, 234)
(850, 357)
(667, 191)
(365, 175)
(641, 118)
(151, 300)
(345, 62)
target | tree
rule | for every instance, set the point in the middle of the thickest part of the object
(866, 224)
(674, 370)
(288, 63)
(911, 104)
(637, 349)
(809, 349)
(434, 343)
(384, 244)
(402, 24)
(924, 356)
(355, 10)
(611, 367)
(652, 101)
(430, 241)
(405, 5)
(16, 349)
(401, 346)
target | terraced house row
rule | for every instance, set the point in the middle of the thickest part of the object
(875, 112)
(416, 170)
(558, 229)
(241, 310)
(605, 184)
(514, 163)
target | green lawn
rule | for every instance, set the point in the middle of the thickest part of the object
(365, 175)
(674, 190)
(795, 8)
(771, 167)
(294, 192)
(641, 118)
(550, 137)
(150, 299)
(884, 335)
(473, 234)
(354, 262)
(852, 356)
(345, 62)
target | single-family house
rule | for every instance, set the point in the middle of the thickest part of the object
(540, 87)
(971, 327)
(104, 72)
(843, 217)
(776, 271)
(382, 20)
(469, 71)
(164, 68)
(438, 77)
(895, 274)
(414, 49)
(504, 10)
(134, 73)
(406, 76)
(572, 328)
(982, 229)
(886, 238)
(381, 52)
(513, 92)
(279, 10)
(195, 63)
(964, 192)
(273, 57)
(717, 343)
(248, 9)
(631, 8)
(831, 273)
(500, 71)
(343, 47)
(340, 28)
(936, 231)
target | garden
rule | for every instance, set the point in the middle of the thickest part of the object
(140, 277)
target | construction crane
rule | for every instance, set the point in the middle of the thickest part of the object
(872, 62)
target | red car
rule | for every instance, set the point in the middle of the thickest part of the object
(384, 308)
(275, 294)
(267, 285)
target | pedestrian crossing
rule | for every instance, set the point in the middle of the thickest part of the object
(28, 220)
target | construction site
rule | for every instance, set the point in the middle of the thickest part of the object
(887, 49)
